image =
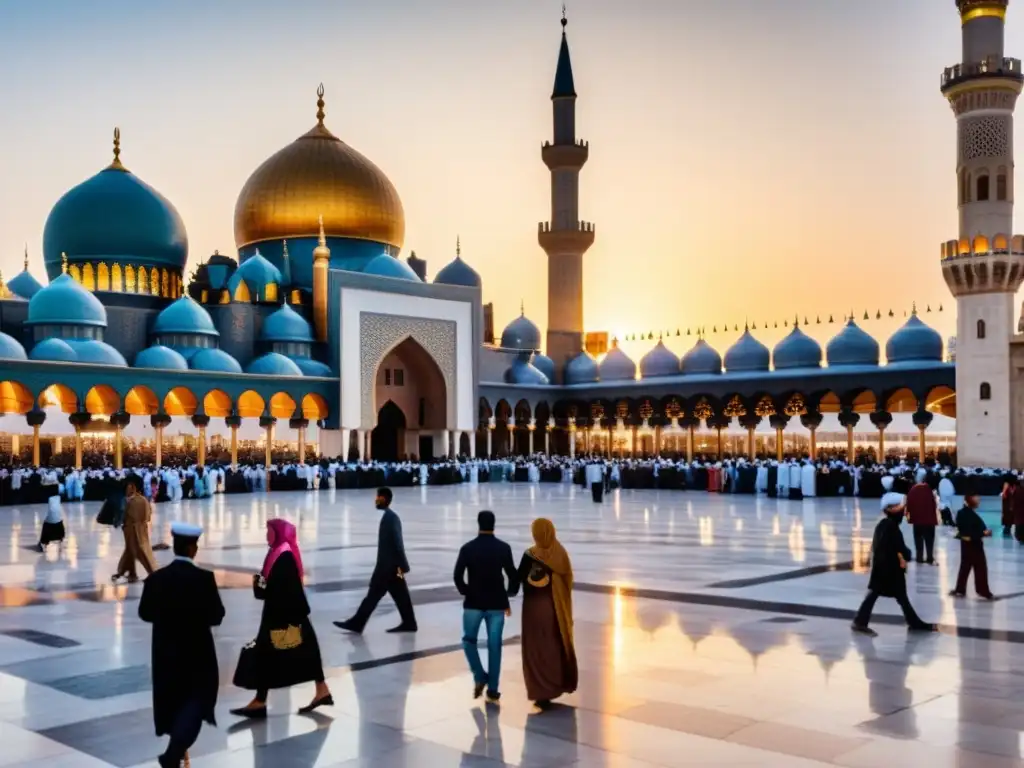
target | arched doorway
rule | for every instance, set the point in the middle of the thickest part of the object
(410, 380)
(389, 435)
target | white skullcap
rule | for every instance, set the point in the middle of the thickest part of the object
(186, 530)
(922, 473)
(891, 499)
(887, 482)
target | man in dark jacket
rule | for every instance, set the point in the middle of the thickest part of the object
(388, 576)
(182, 603)
(923, 514)
(971, 530)
(488, 560)
(889, 557)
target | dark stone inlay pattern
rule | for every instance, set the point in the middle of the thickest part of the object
(800, 573)
(782, 620)
(107, 684)
(41, 638)
(401, 658)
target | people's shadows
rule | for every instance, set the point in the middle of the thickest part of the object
(557, 721)
(888, 695)
(487, 744)
(382, 693)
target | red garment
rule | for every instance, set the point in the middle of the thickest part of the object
(1009, 491)
(714, 480)
(1018, 506)
(921, 506)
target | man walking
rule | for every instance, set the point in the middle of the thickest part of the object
(182, 603)
(593, 473)
(972, 531)
(923, 514)
(137, 547)
(388, 574)
(485, 559)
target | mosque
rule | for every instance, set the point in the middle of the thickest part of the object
(317, 326)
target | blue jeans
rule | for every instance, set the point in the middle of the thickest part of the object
(495, 621)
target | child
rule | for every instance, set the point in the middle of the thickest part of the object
(971, 531)
(53, 523)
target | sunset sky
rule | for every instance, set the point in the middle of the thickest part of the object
(748, 158)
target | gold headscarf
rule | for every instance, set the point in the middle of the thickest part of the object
(549, 550)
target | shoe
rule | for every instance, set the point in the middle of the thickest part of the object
(954, 593)
(865, 630)
(478, 689)
(989, 596)
(166, 762)
(543, 703)
(348, 626)
(326, 701)
(493, 697)
(403, 628)
(923, 628)
(934, 562)
(253, 713)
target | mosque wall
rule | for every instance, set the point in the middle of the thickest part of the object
(12, 317)
(128, 329)
(239, 325)
(1016, 415)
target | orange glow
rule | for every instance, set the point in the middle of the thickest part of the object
(864, 402)
(250, 405)
(102, 400)
(217, 404)
(901, 401)
(59, 395)
(942, 400)
(314, 407)
(282, 406)
(141, 401)
(14, 397)
(180, 402)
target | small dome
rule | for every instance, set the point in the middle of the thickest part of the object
(660, 361)
(257, 273)
(161, 358)
(852, 346)
(544, 364)
(702, 358)
(65, 302)
(582, 369)
(214, 273)
(458, 272)
(616, 366)
(747, 354)
(914, 341)
(184, 316)
(214, 361)
(10, 349)
(310, 367)
(286, 325)
(388, 266)
(522, 334)
(96, 353)
(522, 371)
(274, 364)
(53, 350)
(797, 350)
(24, 285)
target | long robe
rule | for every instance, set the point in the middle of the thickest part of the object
(549, 661)
(808, 479)
(887, 577)
(137, 546)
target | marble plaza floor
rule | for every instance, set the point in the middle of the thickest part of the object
(711, 630)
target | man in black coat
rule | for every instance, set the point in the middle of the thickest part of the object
(182, 603)
(388, 576)
(889, 558)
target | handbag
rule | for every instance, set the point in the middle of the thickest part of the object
(286, 639)
(247, 670)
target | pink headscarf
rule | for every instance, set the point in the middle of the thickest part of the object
(284, 540)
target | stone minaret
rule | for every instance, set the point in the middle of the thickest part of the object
(984, 267)
(565, 238)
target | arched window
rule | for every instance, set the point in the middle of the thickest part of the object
(985, 391)
(1001, 186)
(982, 188)
(981, 329)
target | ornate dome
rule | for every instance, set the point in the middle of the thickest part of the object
(660, 361)
(318, 174)
(582, 369)
(214, 361)
(388, 266)
(458, 272)
(255, 280)
(184, 316)
(65, 302)
(747, 354)
(914, 341)
(10, 349)
(852, 346)
(53, 350)
(115, 217)
(24, 284)
(702, 358)
(274, 364)
(797, 350)
(617, 365)
(310, 367)
(96, 352)
(544, 364)
(521, 333)
(286, 325)
(523, 372)
(161, 358)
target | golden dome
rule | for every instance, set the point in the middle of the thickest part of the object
(318, 174)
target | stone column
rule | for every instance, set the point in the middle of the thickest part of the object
(35, 445)
(302, 445)
(118, 448)
(881, 420)
(547, 437)
(657, 442)
(572, 439)
(849, 418)
(368, 444)
(490, 437)
(267, 422)
(633, 449)
(78, 447)
(689, 443)
(922, 419)
(346, 443)
(472, 445)
(532, 427)
(201, 422)
(510, 426)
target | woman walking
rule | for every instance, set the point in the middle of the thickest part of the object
(549, 656)
(285, 651)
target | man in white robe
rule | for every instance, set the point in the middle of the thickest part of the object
(808, 479)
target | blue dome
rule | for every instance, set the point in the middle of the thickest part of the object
(914, 341)
(65, 302)
(96, 352)
(702, 358)
(388, 266)
(24, 285)
(852, 346)
(310, 367)
(797, 350)
(458, 272)
(184, 316)
(53, 350)
(544, 364)
(114, 217)
(286, 325)
(214, 361)
(257, 273)
(522, 334)
(616, 365)
(10, 349)
(523, 372)
(274, 364)
(747, 354)
(582, 369)
(162, 358)
(660, 361)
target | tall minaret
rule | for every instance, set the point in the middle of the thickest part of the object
(565, 238)
(984, 267)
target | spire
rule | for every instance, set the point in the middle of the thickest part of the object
(26, 257)
(458, 247)
(116, 165)
(63, 263)
(522, 309)
(286, 265)
(321, 251)
(564, 85)
(320, 114)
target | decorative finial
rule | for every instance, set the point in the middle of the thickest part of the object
(320, 114)
(913, 309)
(26, 257)
(117, 150)
(522, 310)
(323, 238)
(565, 21)
(458, 246)
(284, 249)
(63, 262)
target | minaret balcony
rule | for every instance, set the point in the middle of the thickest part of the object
(576, 240)
(982, 265)
(559, 156)
(991, 67)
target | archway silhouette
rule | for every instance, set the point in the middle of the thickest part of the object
(388, 436)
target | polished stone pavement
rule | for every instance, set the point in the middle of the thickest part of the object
(711, 630)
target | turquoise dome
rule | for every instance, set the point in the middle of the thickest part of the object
(852, 346)
(617, 365)
(747, 354)
(10, 349)
(797, 350)
(388, 266)
(257, 273)
(214, 361)
(458, 272)
(65, 302)
(162, 358)
(53, 350)
(701, 359)
(522, 334)
(24, 285)
(544, 364)
(915, 341)
(96, 352)
(523, 372)
(274, 364)
(114, 217)
(310, 367)
(184, 316)
(582, 369)
(660, 361)
(286, 325)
